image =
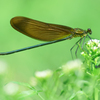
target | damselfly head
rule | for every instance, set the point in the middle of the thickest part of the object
(89, 31)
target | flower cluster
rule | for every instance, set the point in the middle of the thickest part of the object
(93, 51)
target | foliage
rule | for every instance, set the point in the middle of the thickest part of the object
(73, 81)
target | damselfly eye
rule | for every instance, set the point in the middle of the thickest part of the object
(89, 31)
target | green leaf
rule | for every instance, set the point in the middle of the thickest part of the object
(27, 93)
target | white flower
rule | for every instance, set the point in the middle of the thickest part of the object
(92, 42)
(3, 66)
(89, 43)
(43, 74)
(96, 41)
(83, 53)
(99, 45)
(71, 66)
(11, 88)
(94, 48)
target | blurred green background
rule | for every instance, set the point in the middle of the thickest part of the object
(74, 13)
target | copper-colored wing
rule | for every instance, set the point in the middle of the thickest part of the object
(40, 30)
